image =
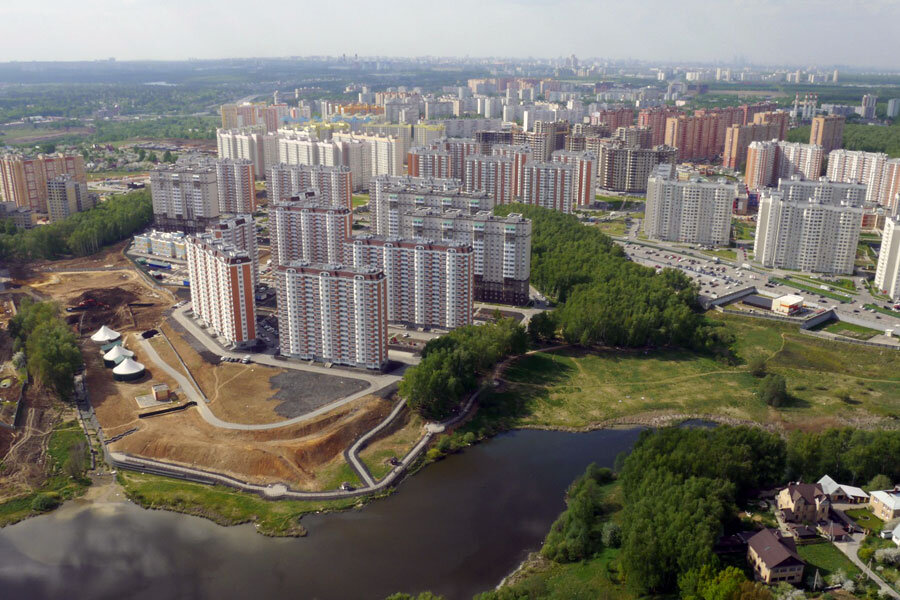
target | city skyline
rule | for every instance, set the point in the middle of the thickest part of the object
(768, 33)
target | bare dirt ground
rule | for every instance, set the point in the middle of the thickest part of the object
(24, 460)
(256, 393)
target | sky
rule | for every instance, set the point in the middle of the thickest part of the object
(798, 32)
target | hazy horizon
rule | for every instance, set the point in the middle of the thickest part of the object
(807, 32)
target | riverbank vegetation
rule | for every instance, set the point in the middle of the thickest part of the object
(452, 364)
(51, 352)
(81, 234)
(67, 462)
(223, 505)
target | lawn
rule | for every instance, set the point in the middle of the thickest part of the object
(742, 231)
(852, 331)
(394, 445)
(827, 559)
(865, 519)
(884, 311)
(615, 227)
(828, 381)
(223, 505)
(360, 200)
(839, 285)
(811, 289)
(725, 253)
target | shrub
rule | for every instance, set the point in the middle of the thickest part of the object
(773, 390)
(757, 366)
(45, 502)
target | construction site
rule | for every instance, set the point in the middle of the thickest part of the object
(257, 423)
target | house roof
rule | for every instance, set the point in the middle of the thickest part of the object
(773, 550)
(808, 491)
(802, 531)
(830, 486)
(889, 499)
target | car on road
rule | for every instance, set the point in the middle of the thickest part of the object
(246, 360)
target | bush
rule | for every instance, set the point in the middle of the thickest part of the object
(880, 482)
(45, 502)
(611, 535)
(757, 366)
(888, 556)
(773, 390)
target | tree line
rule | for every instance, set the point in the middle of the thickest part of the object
(51, 353)
(451, 365)
(80, 234)
(869, 138)
(605, 298)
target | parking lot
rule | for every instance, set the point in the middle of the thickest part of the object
(718, 278)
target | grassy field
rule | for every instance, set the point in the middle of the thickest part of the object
(884, 311)
(66, 443)
(812, 289)
(616, 227)
(827, 559)
(742, 231)
(725, 253)
(396, 445)
(224, 505)
(850, 330)
(865, 519)
(360, 200)
(580, 388)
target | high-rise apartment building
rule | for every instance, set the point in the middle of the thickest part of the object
(428, 162)
(249, 143)
(185, 197)
(893, 108)
(332, 313)
(863, 167)
(550, 185)
(221, 280)
(655, 119)
(297, 148)
(887, 273)
(333, 185)
(827, 131)
(613, 118)
(236, 184)
(695, 211)
(386, 154)
(890, 186)
(429, 284)
(458, 149)
(585, 164)
(24, 180)
(241, 115)
(306, 229)
(492, 175)
(769, 161)
(809, 226)
(239, 232)
(521, 155)
(867, 107)
(67, 196)
(626, 169)
(501, 246)
(635, 137)
(767, 126)
(390, 197)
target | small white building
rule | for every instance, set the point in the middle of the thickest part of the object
(840, 493)
(787, 305)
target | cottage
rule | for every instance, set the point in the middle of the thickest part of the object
(774, 558)
(834, 532)
(842, 494)
(803, 503)
(885, 505)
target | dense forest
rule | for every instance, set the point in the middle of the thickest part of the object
(51, 354)
(451, 365)
(82, 233)
(604, 297)
(870, 138)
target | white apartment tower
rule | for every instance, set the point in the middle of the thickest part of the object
(332, 313)
(864, 167)
(492, 175)
(236, 184)
(692, 212)
(306, 229)
(185, 197)
(550, 185)
(333, 185)
(221, 288)
(809, 226)
(429, 284)
(887, 274)
(249, 143)
(66, 196)
(585, 164)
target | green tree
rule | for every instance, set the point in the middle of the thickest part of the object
(880, 482)
(168, 157)
(757, 366)
(773, 390)
(542, 327)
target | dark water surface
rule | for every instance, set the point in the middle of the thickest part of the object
(456, 528)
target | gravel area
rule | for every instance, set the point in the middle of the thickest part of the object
(301, 392)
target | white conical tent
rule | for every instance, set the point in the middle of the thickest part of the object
(104, 335)
(128, 369)
(116, 352)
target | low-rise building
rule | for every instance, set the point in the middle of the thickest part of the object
(774, 558)
(885, 504)
(803, 503)
(842, 493)
(787, 305)
(165, 244)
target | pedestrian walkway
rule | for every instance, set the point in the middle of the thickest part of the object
(851, 549)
